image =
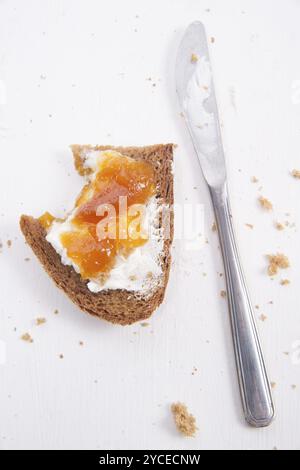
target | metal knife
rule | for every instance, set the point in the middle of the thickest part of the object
(196, 95)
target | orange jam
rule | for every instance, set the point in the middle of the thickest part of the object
(46, 220)
(116, 176)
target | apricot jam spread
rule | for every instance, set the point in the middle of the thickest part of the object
(117, 178)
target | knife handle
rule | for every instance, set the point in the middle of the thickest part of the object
(254, 385)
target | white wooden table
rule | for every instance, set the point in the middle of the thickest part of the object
(79, 72)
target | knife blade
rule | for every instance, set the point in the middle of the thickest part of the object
(197, 98)
(196, 93)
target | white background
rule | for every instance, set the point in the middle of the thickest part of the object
(76, 72)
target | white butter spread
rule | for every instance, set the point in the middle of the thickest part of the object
(198, 93)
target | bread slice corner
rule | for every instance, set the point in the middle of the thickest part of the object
(114, 305)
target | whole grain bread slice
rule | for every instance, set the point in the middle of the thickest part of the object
(117, 305)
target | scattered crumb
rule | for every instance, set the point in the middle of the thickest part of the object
(133, 278)
(27, 337)
(296, 173)
(194, 370)
(223, 293)
(273, 384)
(61, 356)
(270, 302)
(43, 76)
(257, 307)
(194, 58)
(145, 324)
(279, 226)
(254, 179)
(212, 39)
(265, 203)
(279, 261)
(286, 353)
(26, 259)
(9, 243)
(185, 422)
(56, 311)
(40, 321)
(81, 343)
(250, 226)
(204, 274)
(263, 317)
(214, 227)
(285, 282)
(294, 386)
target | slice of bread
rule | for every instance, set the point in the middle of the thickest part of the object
(114, 305)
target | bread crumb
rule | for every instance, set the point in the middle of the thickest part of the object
(144, 324)
(26, 259)
(133, 278)
(279, 226)
(9, 243)
(81, 343)
(56, 311)
(40, 321)
(279, 261)
(61, 356)
(285, 282)
(27, 337)
(273, 384)
(254, 179)
(294, 386)
(185, 422)
(212, 39)
(257, 307)
(214, 227)
(263, 317)
(286, 353)
(265, 203)
(250, 226)
(194, 58)
(296, 173)
(223, 293)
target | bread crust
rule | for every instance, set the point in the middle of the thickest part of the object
(118, 305)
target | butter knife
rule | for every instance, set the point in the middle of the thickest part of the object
(197, 99)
